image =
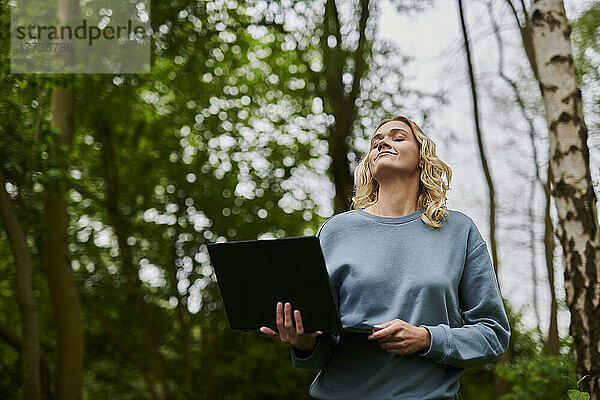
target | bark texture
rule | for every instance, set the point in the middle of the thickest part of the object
(572, 184)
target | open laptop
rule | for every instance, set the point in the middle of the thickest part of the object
(253, 275)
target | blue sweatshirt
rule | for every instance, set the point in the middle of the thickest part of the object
(383, 268)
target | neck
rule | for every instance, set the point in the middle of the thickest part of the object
(398, 197)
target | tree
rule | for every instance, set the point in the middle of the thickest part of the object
(552, 340)
(498, 382)
(206, 147)
(61, 282)
(30, 344)
(572, 187)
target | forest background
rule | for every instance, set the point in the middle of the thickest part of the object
(248, 126)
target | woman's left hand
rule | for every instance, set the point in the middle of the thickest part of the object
(400, 337)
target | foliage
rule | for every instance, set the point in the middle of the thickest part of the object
(586, 42)
(210, 146)
(575, 394)
(532, 374)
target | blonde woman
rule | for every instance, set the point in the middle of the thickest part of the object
(420, 274)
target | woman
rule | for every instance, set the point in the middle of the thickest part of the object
(419, 273)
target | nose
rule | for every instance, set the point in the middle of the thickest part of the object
(381, 142)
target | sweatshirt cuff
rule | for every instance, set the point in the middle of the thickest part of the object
(306, 359)
(440, 343)
(302, 354)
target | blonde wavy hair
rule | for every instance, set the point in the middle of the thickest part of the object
(432, 188)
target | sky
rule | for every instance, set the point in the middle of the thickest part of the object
(434, 38)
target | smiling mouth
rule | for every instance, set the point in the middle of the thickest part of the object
(385, 154)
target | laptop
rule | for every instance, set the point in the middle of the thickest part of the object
(253, 275)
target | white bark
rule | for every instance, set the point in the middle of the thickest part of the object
(572, 185)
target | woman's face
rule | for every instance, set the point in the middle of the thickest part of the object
(394, 149)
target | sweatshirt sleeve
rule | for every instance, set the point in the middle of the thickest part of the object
(485, 334)
(319, 355)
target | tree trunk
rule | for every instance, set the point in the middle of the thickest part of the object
(482, 153)
(16, 343)
(532, 243)
(499, 384)
(578, 228)
(337, 101)
(341, 104)
(552, 342)
(61, 282)
(30, 344)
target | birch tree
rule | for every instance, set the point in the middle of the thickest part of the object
(572, 188)
(552, 342)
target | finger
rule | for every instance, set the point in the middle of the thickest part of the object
(383, 325)
(299, 326)
(287, 323)
(383, 332)
(378, 334)
(279, 316)
(268, 331)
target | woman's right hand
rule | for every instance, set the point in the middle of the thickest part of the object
(287, 333)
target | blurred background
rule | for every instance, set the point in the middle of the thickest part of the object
(248, 126)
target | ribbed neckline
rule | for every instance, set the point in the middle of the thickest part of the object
(391, 220)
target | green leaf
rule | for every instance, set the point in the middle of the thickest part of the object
(577, 395)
